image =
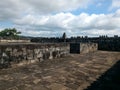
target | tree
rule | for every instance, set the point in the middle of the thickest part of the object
(10, 33)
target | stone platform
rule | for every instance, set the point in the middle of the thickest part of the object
(73, 72)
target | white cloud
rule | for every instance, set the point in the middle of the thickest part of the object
(10, 9)
(52, 18)
(115, 4)
(46, 6)
(83, 24)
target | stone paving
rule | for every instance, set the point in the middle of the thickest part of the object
(73, 72)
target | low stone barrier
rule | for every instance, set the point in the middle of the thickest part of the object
(22, 53)
(88, 47)
(83, 47)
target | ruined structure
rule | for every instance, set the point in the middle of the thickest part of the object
(104, 42)
(13, 41)
(83, 47)
(28, 53)
(13, 53)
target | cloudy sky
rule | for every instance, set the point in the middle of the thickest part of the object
(49, 18)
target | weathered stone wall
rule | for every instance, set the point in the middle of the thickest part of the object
(29, 53)
(10, 41)
(88, 47)
(83, 47)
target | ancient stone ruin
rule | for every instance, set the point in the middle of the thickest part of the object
(29, 53)
(25, 53)
(83, 47)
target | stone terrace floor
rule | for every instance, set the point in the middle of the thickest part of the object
(74, 72)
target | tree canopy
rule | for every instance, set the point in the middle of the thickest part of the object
(10, 33)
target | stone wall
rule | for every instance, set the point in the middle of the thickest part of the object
(88, 47)
(12, 41)
(28, 53)
(83, 47)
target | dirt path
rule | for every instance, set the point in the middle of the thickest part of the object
(74, 72)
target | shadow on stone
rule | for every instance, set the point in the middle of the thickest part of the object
(110, 80)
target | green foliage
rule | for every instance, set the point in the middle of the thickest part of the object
(10, 33)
